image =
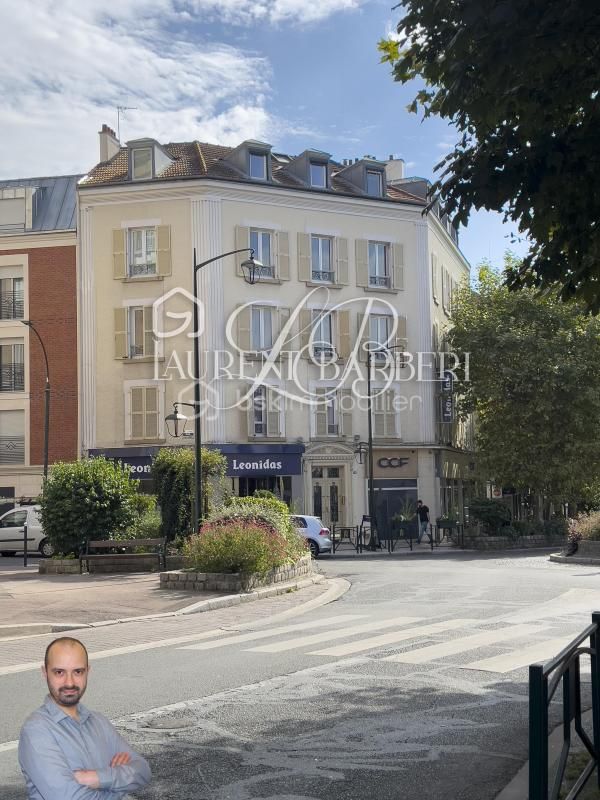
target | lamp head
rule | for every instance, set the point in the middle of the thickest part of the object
(176, 423)
(251, 269)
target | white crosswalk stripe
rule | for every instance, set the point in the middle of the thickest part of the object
(327, 636)
(425, 654)
(535, 653)
(393, 638)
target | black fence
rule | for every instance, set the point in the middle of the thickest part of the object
(546, 780)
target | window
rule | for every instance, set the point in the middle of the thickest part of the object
(259, 412)
(135, 329)
(12, 437)
(318, 175)
(142, 252)
(379, 336)
(322, 336)
(261, 242)
(262, 328)
(144, 412)
(11, 298)
(16, 519)
(12, 370)
(141, 163)
(321, 259)
(332, 417)
(379, 274)
(258, 166)
(374, 183)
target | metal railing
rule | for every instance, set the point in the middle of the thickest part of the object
(136, 270)
(12, 449)
(322, 275)
(11, 305)
(12, 378)
(544, 680)
(379, 280)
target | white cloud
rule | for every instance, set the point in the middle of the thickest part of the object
(67, 65)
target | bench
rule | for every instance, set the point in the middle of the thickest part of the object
(159, 545)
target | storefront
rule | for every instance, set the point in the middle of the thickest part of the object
(275, 467)
(395, 486)
(457, 485)
(137, 459)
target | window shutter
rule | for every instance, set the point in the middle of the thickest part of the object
(283, 315)
(273, 415)
(345, 411)
(137, 413)
(361, 247)
(151, 413)
(306, 325)
(343, 334)
(121, 349)
(244, 318)
(283, 256)
(398, 274)
(242, 239)
(389, 413)
(444, 290)
(304, 259)
(148, 331)
(341, 275)
(435, 337)
(248, 417)
(434, 277)
(320, 413)
(401, 339)
(163, 250)
(119, 253)
(363, 336)
(378, 402)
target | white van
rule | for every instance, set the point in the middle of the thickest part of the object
(12, 532)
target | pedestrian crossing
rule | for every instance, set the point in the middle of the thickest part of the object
(452, 642)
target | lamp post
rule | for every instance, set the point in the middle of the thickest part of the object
(31, 327)
(251, 271)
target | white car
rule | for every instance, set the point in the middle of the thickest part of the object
(315, 532)
(12, 532)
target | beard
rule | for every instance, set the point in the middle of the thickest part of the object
(68, 696)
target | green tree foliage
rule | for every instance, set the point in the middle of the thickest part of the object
(519, 81)
(534, 385)
(173, 472)
(89, 499)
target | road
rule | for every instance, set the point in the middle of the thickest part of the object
(411, 685)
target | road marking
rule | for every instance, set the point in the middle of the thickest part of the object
(6, 746)
(425, 654)
(538, 652)
(342, 633)
(393, 638)
(253, 635)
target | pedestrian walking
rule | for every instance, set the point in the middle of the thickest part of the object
(423, 516)
(67, 751)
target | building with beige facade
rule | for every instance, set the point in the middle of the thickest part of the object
(349, 262)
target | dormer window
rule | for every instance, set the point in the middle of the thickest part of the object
(258, 166)
(374, 183)
(318, 175)
(141, 163)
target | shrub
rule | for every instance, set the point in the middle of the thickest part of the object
(528, 527)
(265, 494)
(557, 526)
(585, 526)
(89, 499)
(492, 513)
(236, 545)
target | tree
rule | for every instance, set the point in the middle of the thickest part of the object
(534, 386)
(86, 500)
(520, 81)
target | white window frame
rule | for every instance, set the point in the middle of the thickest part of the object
(262, 313)
(317, 270)
(395, 387)
(379, 273)
(145, 265)
(19, 313)
(376, 321)
(321, 170)
(259, 414)
(320, 344)
(136, 152)
(373, 173)
(144, 384)
(132, 344)
(252, 159)
(268, 268)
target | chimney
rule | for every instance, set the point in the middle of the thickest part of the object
(394, 169)
(109, 144)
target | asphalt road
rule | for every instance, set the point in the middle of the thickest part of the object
(383, 693)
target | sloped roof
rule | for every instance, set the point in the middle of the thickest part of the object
(205, 160)
(56, 206)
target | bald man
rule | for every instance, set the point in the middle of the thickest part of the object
(68, 752)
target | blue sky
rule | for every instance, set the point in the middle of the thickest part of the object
(295, 73)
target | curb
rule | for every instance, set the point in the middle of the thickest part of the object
(337, 587)
(558, 558)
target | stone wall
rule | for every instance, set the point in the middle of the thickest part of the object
(588, 548)
(69, 566)
(483, 542)
(233, 583)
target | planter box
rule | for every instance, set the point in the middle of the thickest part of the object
(59, 566)
(233, 583)
(483, 542)
(588, 548)
(70, 566)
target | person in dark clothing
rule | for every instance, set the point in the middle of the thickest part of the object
(423, 516)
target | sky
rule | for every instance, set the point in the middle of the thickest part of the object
(295, 73)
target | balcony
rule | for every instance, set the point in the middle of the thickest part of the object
(12, 449)
(322, 276)
(380, 280)
(333, 429)
(265, 271)
(142, 270)
(11, 305)
(12, 378)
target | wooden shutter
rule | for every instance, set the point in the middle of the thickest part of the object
(283, 315)
(163, 250)
(283, 256)
(248, 415)
(304, 258)
(121, 344)
(148, 331)
(242, 239)
(363, 334)
(389, 413)
(306, 325)
(137, 413)
(342, 319)
(244, 321)
(400, 342)
(378, 404)
(345, 411)
(320, 412)
(444, 290)
(398, 266)
(119, 238)
(434, 278)
(151, 412)
(361, 247)
(273, 413)
(341, 273)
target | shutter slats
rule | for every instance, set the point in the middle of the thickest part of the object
(304, 258)
(163, 250)
(341, 275)
(283, 256)
(119, 253)
(120, 320)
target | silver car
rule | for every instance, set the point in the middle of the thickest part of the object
(315, 532)
(12, 532)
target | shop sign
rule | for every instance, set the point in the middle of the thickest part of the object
(447, 408)
(448, 381)
(386, 463)
(250, 464)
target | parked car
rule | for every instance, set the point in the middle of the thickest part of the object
(12, 532)
(315, 532)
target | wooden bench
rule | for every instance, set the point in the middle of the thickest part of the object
(159, 545)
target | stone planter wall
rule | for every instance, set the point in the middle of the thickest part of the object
(483, 542)
(233, 583)
(121, 564)
(589, 549)
(58, 566)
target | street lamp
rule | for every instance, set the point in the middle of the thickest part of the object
(31, 327)
(251, 271)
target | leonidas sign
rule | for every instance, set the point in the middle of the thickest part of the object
(394, 464)
(254, 466)
(245, 463)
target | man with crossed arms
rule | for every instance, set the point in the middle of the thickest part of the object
(66, 751)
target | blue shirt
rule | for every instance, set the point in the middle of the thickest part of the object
(53, 745)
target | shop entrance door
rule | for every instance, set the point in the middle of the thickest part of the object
(327, 487)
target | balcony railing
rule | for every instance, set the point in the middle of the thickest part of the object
(333, 429)
(12, 449)
(136, 350)
(322, 276)
(379, 280)
(11, 305)
(137, 270)
(12, 378)
(265, 271)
